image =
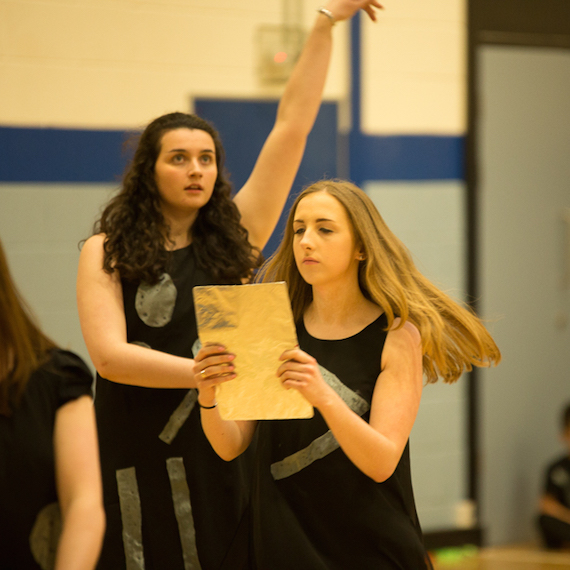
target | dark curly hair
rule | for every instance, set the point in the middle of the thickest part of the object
(137, 233)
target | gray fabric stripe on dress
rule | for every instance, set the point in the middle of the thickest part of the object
(318, 449)
(130, 503)
(353, 400)
(178, 417)
(183, 511)
(326, 443)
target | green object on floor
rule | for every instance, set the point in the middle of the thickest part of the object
(455, 553)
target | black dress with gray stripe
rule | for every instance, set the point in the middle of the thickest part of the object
(312, 508)
(171, 502)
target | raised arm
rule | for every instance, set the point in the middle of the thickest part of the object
(78, 485)
(102, 318)
(263, 196)
(375, 447)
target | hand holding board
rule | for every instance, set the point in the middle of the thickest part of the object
(255, 323)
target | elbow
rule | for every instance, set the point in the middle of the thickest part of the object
(228, 456)
(109, 357)
(99, 521)
(382, 470)
(102, 367)
(102, 522)
(230, 453)
(381, 475)
(105, 367)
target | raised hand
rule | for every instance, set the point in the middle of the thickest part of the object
(345, 9)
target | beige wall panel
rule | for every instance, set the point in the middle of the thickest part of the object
(416, 69)
(440, 10)
(414, 104)
(118, 64)
(104, 98)
(415, 47)
(115, 35)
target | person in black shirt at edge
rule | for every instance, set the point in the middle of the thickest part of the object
(51, 504)
(554, 505)
(334, 492)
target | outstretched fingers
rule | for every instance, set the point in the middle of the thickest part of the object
(345, 9)
(369, 9)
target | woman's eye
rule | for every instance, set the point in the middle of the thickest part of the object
(299, 231)
(206, 159)
(178, 158)
(325, 231)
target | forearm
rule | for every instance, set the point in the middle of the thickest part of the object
(82, 535)
(135, 365)
(551, 507)
(374, 454)
(228, 438)
(301, 99)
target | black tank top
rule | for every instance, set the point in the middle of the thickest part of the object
(312, 508)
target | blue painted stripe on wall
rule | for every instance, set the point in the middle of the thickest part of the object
(61, 155)
(406, 158)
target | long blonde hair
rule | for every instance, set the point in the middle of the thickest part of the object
(453, 338)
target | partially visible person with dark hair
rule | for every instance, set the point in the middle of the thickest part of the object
(554, 505)
(171, 502)
(51, 506)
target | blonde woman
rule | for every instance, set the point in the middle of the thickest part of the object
(334, 492)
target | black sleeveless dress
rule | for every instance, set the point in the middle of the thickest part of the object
(171, 502)
(312, 508)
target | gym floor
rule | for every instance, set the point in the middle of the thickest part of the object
(516, 557)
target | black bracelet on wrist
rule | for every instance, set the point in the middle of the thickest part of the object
(207, 407)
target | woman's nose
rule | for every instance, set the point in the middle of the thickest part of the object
(306, 240)
(194, 168)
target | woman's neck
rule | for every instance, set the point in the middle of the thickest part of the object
(179, 234)
(339, 314)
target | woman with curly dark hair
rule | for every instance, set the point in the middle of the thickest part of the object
(171, 502)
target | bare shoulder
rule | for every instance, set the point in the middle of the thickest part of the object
(407, 334)
(90, 269)
(403, 347)
(92, 252)
(93, 244)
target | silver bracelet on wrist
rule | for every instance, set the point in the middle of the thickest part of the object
(328, 14)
